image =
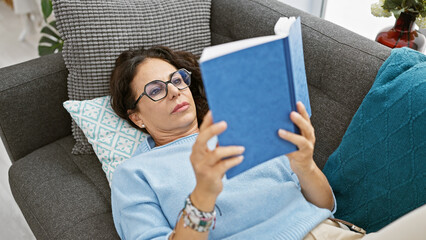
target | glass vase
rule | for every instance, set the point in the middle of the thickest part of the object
(403, 34)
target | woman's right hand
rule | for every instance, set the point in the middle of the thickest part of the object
(209, 166)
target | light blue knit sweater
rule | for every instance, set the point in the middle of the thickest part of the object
(265, 202)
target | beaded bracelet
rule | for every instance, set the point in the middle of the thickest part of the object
(198, 220)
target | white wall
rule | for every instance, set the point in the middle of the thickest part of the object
(353, 15)
(356, 16)
(313, 7)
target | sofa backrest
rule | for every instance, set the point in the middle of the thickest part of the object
(340, 65)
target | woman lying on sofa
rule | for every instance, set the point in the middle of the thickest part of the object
(174, 185)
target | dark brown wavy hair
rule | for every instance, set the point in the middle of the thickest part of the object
(122, 96)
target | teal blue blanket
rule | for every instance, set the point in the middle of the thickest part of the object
(378, 173)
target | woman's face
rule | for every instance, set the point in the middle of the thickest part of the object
(163, 118)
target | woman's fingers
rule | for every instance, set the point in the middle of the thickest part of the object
(209, 130)
(302, 110)
(224, 152)
(296, 139)
(305, 126)
(224, 165)
(207, 120)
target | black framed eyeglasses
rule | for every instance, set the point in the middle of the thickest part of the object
(157, 89)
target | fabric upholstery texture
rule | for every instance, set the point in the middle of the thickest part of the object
(378, 173)
(80, 193)
(337, 61)
(30, 115)
(95, 32)
(113, 139)
(340, 65)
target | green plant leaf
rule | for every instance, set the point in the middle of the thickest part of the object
(49, 49)
(57, 47)
(46, 7)
(392, 4)
(413, 5)
(50, 41)
(44, 50)
(53, 24)
(48, 31)
(60, 45)
(396, 13)
(45, 39)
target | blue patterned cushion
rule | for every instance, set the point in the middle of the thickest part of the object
(378, 173)
(112, 138)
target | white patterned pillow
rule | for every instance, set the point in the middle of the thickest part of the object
(113, 139)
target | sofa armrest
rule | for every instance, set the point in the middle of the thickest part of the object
(31, 96)
(340, 65)
(61, 195)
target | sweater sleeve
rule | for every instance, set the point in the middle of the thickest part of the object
(135, 207)
(296, 180)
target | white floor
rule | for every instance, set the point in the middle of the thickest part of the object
(12, 223)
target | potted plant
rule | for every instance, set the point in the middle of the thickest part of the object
(408, 13)
(50, 41)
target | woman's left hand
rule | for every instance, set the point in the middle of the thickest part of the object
(301, 160)
(313, 183)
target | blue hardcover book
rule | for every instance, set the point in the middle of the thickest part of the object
(254, 85)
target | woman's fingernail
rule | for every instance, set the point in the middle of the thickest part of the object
(282, 131)
(241, 149)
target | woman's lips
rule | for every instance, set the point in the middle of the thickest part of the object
(181, 107)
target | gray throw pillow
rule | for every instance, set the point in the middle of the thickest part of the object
(95, 32)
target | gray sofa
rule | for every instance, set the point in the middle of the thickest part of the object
(65, 196)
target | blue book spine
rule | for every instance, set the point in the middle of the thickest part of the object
(287, 56)
(297, 62)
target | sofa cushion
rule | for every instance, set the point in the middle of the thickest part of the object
(378, 171)
(95, 32)
(59, 192)
(113, 139)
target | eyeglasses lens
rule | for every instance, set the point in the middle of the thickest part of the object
(181, 79)
(157, 89)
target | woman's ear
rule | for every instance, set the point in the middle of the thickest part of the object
(136, 119)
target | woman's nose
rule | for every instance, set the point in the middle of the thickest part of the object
(173, 91)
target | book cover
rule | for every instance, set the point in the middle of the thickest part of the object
(254, 89)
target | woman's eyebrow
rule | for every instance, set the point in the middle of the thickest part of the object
(169, 76)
